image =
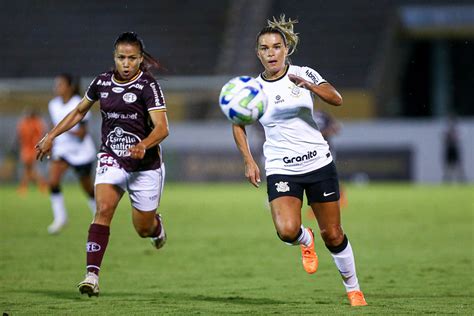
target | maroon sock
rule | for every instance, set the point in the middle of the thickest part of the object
(96, 244)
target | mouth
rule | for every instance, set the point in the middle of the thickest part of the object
(272, 62)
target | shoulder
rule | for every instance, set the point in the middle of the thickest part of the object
(308, 73)
(147, 80)
(103, 79)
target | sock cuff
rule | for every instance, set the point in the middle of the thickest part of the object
(99, 229)
(55, 189)
(341, 247)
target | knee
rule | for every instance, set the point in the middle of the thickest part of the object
(105, 210)
(288, 233)
(333, 236)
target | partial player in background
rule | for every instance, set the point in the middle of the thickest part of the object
(134, 123)
(330, 127)
(30, 128)
(74, 148)
(452, 162)
(298, 159)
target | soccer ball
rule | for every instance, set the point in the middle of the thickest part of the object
(242, 100)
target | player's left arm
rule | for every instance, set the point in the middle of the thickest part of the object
(157, 135)
(324, 90)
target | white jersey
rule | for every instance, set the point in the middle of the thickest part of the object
(68, 146)
(294, 145)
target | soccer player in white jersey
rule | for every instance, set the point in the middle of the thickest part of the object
(74, 148)
(298, 159)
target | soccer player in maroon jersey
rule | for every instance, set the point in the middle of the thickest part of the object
(134, 123)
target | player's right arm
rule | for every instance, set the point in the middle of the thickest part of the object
(43, 148)
(252, 172)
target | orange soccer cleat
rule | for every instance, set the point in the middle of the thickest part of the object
(356, 298)
(309, 256)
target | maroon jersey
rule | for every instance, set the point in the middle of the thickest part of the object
(124, 107)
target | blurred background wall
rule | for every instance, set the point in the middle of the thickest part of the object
(404, 68)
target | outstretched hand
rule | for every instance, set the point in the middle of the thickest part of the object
(138, 151)
(299, 81)
(43, 148)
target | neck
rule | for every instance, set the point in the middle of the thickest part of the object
(273, 75)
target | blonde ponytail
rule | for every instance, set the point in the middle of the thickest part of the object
(287, 29)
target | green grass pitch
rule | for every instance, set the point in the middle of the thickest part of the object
(413, 247)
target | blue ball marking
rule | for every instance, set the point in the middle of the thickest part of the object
(245, 78)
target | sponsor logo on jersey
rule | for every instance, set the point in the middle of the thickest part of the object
(307, 156)
(106, 160)
(155, 93)
(123, 116)
(104, 95)
(120, 141)
(282, 186)
(278, 99)
(137, 86)
(117, 89)
(104, 83)
(311, 76)
(92, 247)
(129, 97)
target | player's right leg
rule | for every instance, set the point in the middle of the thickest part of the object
(286, 214)
(108, 196)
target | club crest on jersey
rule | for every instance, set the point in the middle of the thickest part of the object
(282, 186)
(295, 90)
(129, 97)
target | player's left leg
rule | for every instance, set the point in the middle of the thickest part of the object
(329, 221)
(149, 224)
(145, 189)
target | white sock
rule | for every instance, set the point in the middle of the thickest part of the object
(345, 263)
(92, 205)
(305, 237)
(59, 209)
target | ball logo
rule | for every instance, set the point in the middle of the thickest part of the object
(282, 186)
(92, 247)
(129, 97)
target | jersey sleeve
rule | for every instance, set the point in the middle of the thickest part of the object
(153, 97)
(92, 93)
(312, 75)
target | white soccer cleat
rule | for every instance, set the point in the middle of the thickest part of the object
(56, 227)
(159, 241)
(90, 285)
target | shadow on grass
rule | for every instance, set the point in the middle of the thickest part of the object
(156, 297)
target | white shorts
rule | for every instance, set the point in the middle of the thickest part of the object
(144, 187)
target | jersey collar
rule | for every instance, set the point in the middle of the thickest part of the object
(126, 82)
(276, 79)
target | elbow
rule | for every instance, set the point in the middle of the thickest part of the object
(337, 100)
(166, 132)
